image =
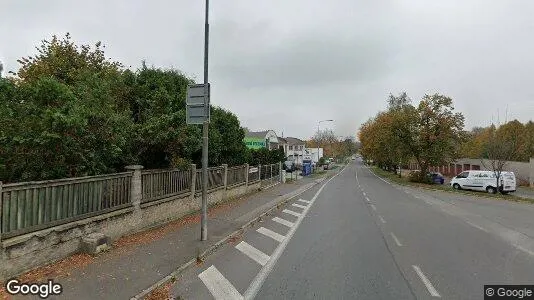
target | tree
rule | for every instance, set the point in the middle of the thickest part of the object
(500, 149)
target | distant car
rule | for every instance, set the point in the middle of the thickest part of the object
(289, 166)
(436, 177)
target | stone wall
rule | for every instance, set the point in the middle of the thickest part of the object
(25, 252)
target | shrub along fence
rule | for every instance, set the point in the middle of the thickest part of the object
(32, 206)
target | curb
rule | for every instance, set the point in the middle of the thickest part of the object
(284, 199)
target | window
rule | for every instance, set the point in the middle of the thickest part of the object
(463, 175)
(290, 147)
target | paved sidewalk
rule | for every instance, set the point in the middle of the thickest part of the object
(136, 262)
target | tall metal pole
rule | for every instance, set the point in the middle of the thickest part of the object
(205, 126)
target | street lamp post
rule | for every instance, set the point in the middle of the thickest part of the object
(318, 133)
(205, 126)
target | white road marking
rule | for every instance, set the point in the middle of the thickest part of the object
(290, 212)
(367, 199)
(382, 220)
(253, 253)
(298, 205)
(218, 285)
(426, 282)
(274, 235)
(396, 240)
(373, 207)
(476, 226)
(524, 250)
(365, 195)
(283, 222)
(305, 201)
(258, 281)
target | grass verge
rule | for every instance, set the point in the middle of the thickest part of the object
(446, 188)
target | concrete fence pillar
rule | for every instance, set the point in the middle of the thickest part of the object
(247, 169)
(225, 175)
(531, 177)
(1, 205)
(259, 172)
(136, 190)
(193, 181)
(280, 172)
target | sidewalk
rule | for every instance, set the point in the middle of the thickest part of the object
(136, 262)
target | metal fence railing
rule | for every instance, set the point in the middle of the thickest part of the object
(158, 184)
(215, 178)
(253, 174)
(236, 175)
(269, 171)
(31, 206)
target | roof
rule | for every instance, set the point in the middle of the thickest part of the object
(257, 134)
(282, 140)
(294, 141)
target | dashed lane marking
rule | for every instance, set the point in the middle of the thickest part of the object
(253, 253)
(396, 239)
(382, 220)
(373, 207)
(290, 212)
(283, 222)
(218, 285)
(274, 235)
(426, 282)
(298, 205)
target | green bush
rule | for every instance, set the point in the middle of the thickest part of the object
(416, 176)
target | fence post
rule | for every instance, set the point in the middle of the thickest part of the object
(1, 205)
(271, 174)
(280, 172)
(259, 172)
(225, 176)
(531, 173)
(193, 180)
(247, 168)
(136, 189)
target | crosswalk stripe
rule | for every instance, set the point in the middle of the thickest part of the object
(274, 235)
(218, 285)
(299, 206)
(287, 211)
(253, 253)
(305, 201)
(283, 222)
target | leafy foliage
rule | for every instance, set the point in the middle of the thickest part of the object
(70, 111)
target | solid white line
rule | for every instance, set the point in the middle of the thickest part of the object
(283, 222)
(476, 226)
(373, 207)
(524, 250)
(258, 281)
(396, 240)
(298, 205)
(290, 212)
(274, 235)
(382, 220)
(305, 201)
(253, 253)
(427, 283)
(218, 285)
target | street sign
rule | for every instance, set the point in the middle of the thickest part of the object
(307, 155)
(197, 105)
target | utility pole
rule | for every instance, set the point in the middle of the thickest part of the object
(205, 126)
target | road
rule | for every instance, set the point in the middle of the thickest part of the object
(359, 237)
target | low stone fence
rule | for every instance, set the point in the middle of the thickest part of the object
(42, 222)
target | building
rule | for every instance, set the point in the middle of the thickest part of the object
(261, 139)
(295, 149)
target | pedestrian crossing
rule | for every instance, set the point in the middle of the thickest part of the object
(218, 285)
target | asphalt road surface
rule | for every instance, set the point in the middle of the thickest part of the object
(359, 237)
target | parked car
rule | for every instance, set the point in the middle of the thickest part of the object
(485, 181)
(436, 177)
(289, 166)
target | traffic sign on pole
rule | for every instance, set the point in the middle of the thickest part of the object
(197, 104)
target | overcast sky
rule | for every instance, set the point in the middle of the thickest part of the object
(284, 65)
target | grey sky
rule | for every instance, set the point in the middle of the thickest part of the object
(284, 65)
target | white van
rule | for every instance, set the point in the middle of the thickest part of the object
(484, 181)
